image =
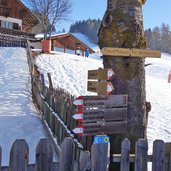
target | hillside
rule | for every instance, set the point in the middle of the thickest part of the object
(70, 73)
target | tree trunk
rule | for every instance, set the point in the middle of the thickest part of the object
(122, 27)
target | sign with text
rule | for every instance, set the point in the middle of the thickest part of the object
(101, 114)
(125, 52)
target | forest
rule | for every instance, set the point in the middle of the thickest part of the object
(158, 38)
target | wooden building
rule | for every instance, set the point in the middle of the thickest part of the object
(15, 15)
(68, 41)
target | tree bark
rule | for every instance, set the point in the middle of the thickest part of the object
(122, 26)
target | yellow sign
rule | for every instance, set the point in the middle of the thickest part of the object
(109, 51)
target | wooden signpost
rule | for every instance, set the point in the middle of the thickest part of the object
(101, 85)
(101, 114)
(109, 51)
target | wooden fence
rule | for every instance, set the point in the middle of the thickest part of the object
(99, 159)
(12, 41)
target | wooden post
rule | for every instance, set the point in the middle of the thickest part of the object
(50, 81)
(158, 155)
(66, 160)
(44, 155)
(19, 156)
(141, 155)
(84, 161)
(100, 156)
(125, 152)
(0, 157)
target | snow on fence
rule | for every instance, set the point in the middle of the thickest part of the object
(99, 159)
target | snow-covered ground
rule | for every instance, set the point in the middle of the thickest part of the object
(18, 116)
(70, 72)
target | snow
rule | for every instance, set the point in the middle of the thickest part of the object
(70, 72)
(18, 116)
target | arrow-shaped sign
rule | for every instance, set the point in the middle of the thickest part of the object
(78, 130)
(78, 102)
(101, 74)
(102, 88)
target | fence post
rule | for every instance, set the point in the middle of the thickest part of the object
(125, 152)
(50, 81)
(84, 161)
(141, 149)
(19, 156)
(44, 155)
(0, 157)
(100, 153)
(66, 160)
(158, 155)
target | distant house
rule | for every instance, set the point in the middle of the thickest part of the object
(15, 15)
(68, 41)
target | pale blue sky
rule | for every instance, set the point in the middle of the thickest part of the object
(155, 12)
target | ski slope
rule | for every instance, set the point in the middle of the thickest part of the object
(18, 116)
(70, 72)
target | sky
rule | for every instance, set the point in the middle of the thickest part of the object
(155, 12)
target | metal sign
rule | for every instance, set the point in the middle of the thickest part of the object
(101, 74)
(109, 51)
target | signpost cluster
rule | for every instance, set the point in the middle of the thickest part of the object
(101, 114)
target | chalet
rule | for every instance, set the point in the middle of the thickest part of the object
(15, 15)
(68, 41)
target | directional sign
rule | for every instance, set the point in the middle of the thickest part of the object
(78, 102)
(102, 88)
(110, 51)
(101, 114)
(78, 130)
(101, 74)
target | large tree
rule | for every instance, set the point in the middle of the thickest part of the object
(122, 27)
(49, 12)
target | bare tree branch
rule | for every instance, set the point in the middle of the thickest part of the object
(50, 12)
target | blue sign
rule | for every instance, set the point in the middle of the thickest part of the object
(101, 139)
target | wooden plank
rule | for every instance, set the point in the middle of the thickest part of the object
(125, 152)
(104, 128)
(158, 155)
(141, 150)
(0, 157)
(50, 81)
(84, 161)
(124, 52)
(109, 114)
(19, 156)
(100, 156)
(44, 155)
(145, 53)
(100, 74)
(107, 101)
(66, 159)
(168, 153)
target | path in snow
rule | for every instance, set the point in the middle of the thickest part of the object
(18, 116)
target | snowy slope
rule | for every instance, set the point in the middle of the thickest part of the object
(70, 73)
(18, 116)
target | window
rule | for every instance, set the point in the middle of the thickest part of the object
(7, 24)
